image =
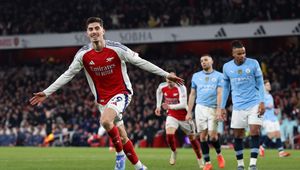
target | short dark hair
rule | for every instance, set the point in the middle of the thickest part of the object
(237, 44)
(94, 19)
(206, 55)
(266, 81)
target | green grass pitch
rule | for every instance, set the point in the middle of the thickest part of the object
(27, 158)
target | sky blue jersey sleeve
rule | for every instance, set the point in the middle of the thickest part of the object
(259, 82)
(226, 88)
(193, 84)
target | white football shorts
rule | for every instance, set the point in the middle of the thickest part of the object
(206, 118)
(240, 119)
(188, 127)
(118, 103)
(271, 126)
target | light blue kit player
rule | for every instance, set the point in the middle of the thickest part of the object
(207, 90)
(243, 77)
(271, 124)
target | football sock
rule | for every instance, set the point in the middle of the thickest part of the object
(216, 145)
(130, 153)
(115, 137)
(254, 145)
(205, 150)
(171, 141)
(266, 142)
(238, 147)
(196, 147)
(279, 145)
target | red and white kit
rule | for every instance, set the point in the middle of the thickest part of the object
(176, 98)
(106, 74)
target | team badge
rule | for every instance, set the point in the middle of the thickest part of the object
(213, 79)
(248, 71)
(240, 71)
(206, 79)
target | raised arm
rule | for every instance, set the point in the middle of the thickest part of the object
(67, 76)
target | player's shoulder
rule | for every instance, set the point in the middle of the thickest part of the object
(228, 64)
(218, 74)
(198, 73)
(115, 45)
(162, 85)
(181, 87)
(85, 48)
(252, 61)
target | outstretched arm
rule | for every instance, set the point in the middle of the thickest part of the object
(67, 76)
(134, 58)
(158, 100)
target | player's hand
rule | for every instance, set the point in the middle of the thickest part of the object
(221, 114)
(157, 112)
(188, 116)
(175, 79)
(38, 98)
(261, 109)
(165, 106)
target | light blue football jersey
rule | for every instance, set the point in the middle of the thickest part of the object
(245, 82)
(270, 112)
(206, 85)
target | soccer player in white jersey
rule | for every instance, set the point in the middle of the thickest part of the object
(271, 124)
(207, 90)
(175, 102)
(243, 77)
(104, 64)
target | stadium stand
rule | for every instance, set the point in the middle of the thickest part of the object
(32, 16)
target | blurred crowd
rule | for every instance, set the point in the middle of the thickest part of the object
(73, 116)
(58, 16)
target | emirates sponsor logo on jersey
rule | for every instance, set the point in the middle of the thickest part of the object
(175, 94)
(91, 62)
(109, 59)
(104, 70)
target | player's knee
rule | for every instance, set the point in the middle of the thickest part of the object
(124, 139)
(203, 138)
(106, 123)
(213, 138)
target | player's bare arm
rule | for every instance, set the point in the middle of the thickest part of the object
(261, 108)
(191, 103)
(157, 111)
(165, 106)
